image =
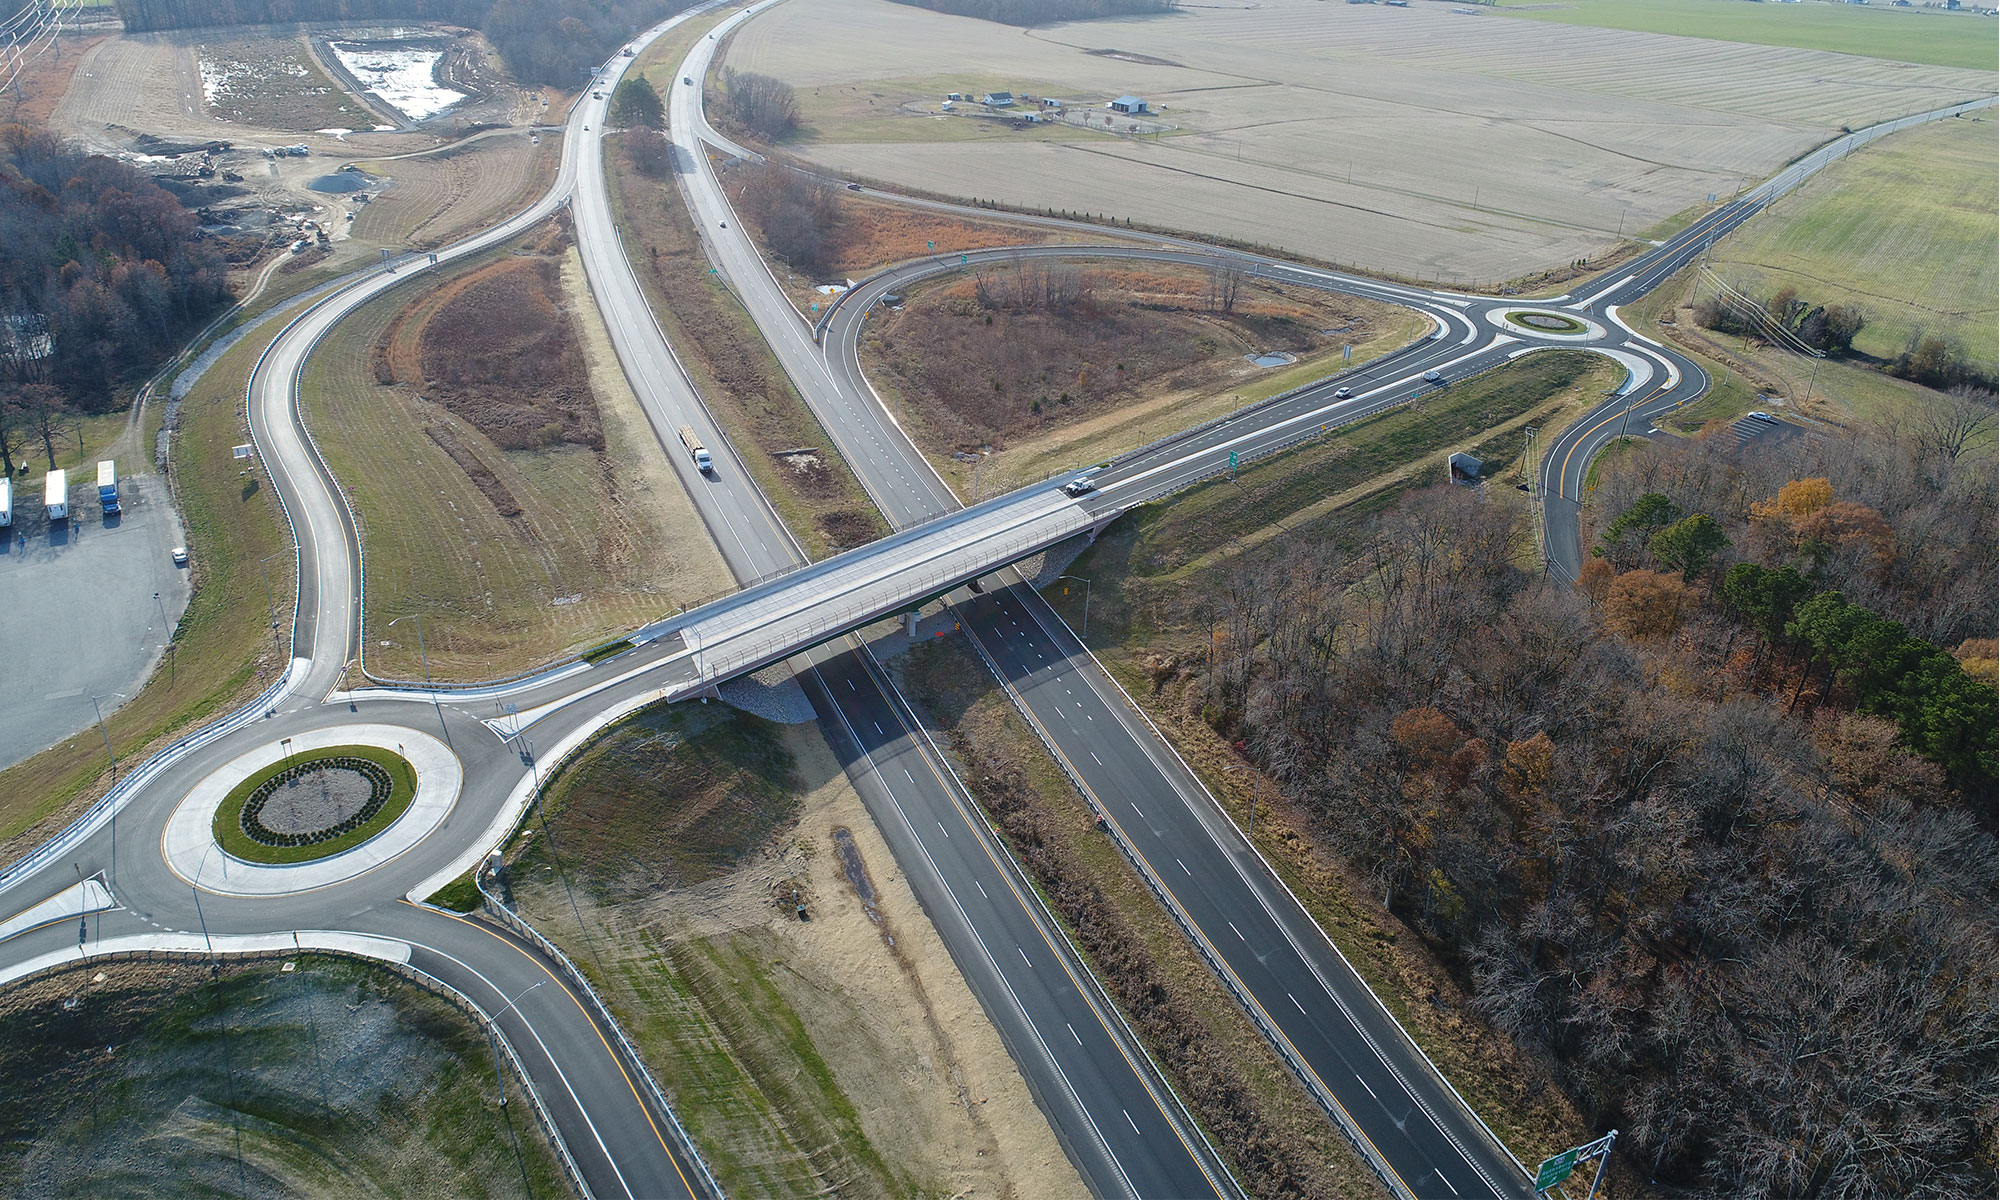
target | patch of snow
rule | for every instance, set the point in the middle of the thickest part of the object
(337, 134)
(403, 79)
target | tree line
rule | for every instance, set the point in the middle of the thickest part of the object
(541, 42)
(102, 275)
(1932, 359)
(767, 107)
(1042, 12)
(1691, 845)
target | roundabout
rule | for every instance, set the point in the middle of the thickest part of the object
(314, 809)
(1546, 324)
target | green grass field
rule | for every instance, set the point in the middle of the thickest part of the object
(1904, 228)
(329, 1080)
(1876, 30)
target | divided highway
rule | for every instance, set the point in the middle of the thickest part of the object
(1125, 1131)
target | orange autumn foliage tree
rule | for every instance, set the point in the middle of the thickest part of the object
(1646, 605)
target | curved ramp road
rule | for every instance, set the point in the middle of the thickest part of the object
(1124, 1129)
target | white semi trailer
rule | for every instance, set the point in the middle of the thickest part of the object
(55, 495)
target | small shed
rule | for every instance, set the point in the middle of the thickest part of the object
(997, 99)
(1131, 106)
(1465, 468)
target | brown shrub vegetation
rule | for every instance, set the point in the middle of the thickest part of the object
(497, 350)
(1018, 347)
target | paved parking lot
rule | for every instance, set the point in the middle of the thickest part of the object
(78, 616)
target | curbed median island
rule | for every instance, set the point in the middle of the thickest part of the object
(315, 804)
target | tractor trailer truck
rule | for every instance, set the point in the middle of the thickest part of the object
(6, 502)
(55, 495)
(696, 451)
(107, 486)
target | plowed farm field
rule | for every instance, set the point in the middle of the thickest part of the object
(1421, 141)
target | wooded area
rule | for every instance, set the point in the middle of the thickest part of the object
(102, 274)
(554, 43)
(1709, 832)
(1041, 12)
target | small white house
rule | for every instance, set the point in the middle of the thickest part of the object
(1131, 106)
(998, 99)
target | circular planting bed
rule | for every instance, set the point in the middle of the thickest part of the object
(1547, 322)
(315, 804)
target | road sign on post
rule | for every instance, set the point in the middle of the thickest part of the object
(1232, 462)
(1556, 1171)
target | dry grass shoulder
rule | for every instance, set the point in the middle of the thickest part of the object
(45, 80)
(495, 497)
(434, 199)
(332, 1079)
(1024, 370)
(843, 1052)
(1276, 1140)
(223, 651)
(816, 495)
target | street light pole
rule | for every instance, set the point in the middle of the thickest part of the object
(270, 603)
(1086, 600)
(112, 870)
(1250, 827)
(425, 656)
(99, 708)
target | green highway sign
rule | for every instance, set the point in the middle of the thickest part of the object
(1556, 1170)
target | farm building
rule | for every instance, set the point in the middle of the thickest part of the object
(997, 99)
(1131, 106)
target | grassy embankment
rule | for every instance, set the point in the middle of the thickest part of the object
(512, 556)
(334, 1079)
(1940, 39)
(1914, 196)
(224, 651)
(438, 198)
(840, 1052)
(1149, 575)
(816, 495)
(1141, 359)
(1903, 228)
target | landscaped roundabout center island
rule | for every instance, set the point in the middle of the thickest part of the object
(1547, 322)
(315, 804)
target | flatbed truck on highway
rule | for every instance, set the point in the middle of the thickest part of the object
(55, 495)
(696, 451)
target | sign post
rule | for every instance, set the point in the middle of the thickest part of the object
(1555, 1171)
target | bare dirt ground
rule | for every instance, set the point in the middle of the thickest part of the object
(1416, 141)
(843, 1052)
(142, 97)
(437, 198)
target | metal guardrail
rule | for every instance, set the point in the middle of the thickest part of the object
(491, 905)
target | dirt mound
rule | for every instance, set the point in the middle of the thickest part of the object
(497, 350)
